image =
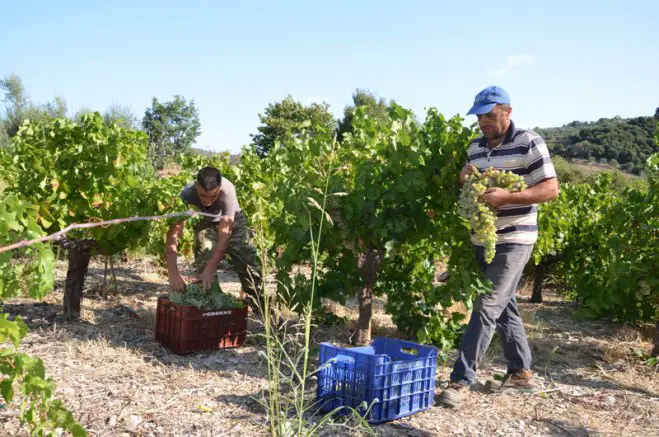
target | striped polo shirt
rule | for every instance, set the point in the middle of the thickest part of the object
(525, 153)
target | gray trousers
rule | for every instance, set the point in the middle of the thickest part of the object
(497, 310)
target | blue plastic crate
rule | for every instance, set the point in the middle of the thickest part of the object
(398, 374)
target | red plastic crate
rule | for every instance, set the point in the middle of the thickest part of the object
(185, 328)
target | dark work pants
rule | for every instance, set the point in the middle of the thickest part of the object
(241, 252)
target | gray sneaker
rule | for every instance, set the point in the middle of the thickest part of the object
(453, 395)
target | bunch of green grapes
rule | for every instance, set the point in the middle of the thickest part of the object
(212, 299)
(481, 215)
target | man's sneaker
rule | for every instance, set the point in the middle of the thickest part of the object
(454, 394)
(517, 380)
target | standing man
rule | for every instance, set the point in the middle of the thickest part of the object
(503, 146)
(215, 237)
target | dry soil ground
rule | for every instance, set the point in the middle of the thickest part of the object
(118, 381)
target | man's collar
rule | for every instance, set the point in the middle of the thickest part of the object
(511, 133)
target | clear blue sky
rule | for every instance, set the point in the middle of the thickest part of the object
(559, 60)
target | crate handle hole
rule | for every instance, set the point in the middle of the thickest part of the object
(410, 351)
(344, 359)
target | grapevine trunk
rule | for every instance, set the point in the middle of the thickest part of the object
(655, 350)
(538, 279)
(79, 254)
(370, 264)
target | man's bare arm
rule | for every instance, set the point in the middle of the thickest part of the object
(541, 192)
(171, 255)
(538, 193)
(225, 228)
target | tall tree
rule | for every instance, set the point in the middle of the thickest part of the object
(122, 115)
(17, 103)
(376, 107)
(4, 137)
(288, 119)
(80, 113)
(19, 107)
(56, 109)
(173, 128)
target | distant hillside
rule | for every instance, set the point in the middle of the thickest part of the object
(619, 142)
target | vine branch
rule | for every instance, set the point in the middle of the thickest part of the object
(60, 234)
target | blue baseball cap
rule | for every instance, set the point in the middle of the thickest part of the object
(487, 99)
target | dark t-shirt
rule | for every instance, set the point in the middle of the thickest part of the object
(226, 203)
